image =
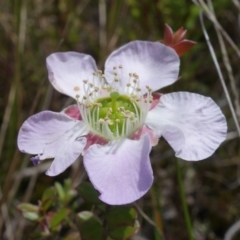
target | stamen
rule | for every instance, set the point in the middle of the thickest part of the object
(111, 110)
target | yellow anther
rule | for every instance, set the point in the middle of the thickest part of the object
(85, 81)
(76, 88)
(120, 109)
(101, 120)
(135, 75)
(109, 122)
(120, 66)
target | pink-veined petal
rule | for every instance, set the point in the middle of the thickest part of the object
(154, 137)
(155, 99)
(45, 133)
(66, 155)
(73, 112)
(156, 64)
(94, 139)
(121, 170)
(67, 70)
(192, 124)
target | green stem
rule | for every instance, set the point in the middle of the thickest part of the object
(183, 200)
(114, 96)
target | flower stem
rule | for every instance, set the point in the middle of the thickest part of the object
(183, 200)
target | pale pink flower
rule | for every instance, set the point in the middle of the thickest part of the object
(117, 119)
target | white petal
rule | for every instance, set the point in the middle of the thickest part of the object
(120, 170)
(66, 155)
(67, 70)
(192, 124)
(156, 64)
(45, 133)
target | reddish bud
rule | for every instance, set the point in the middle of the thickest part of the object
(183, 47)
(177, 40)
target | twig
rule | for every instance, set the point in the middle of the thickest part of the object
(220, 74)
(209, 14)
(184, 201)
(227, 64)
(9, 230)
(237, 4)
(147, 218)
(232, 231)
(102, 31)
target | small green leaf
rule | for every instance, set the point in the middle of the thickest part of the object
(46, 204)
(28, 207)
(58, 217)
(121, 215)
(48, 198)
(89, 193)
(48, 193)
(123, 232)
(90, 226)
(60, 191)
(67, 184)
(32, 216)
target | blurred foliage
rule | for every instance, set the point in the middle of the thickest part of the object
(59, 214)
(30, 31)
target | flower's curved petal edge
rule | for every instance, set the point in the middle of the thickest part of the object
(156, 64)
(192, 124)
(121, 170)
(67, 70)
(45, 133)
(66, 155)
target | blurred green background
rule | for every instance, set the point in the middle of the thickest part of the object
(31, 30)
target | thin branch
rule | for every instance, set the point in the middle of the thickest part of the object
(219, 73)
(209, 15)
(227, 65)
(147, 218)
(232, 231)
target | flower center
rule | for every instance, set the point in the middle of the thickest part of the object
(115, 115)
(113, 111)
